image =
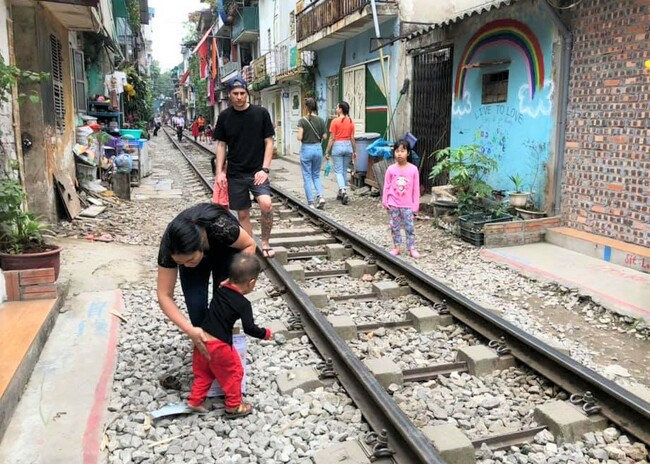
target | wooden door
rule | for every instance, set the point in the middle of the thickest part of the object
(354, 92)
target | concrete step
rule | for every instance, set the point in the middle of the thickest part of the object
(295, 232)
(613, 251)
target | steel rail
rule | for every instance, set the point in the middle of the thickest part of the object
(194, 167)
(619, 405)
(377, 406)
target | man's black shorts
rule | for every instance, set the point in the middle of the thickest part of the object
(240, 188)
(201, 128)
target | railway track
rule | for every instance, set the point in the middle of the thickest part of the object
(346, 291)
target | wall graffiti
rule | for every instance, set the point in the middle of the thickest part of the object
(540, 105)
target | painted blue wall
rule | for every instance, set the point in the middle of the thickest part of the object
(518, 132)
(357, 50)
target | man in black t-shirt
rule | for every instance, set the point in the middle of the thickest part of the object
(247, 131)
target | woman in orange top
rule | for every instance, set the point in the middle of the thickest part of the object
(342, 147)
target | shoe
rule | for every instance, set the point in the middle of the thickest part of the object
(339, 195)
(394, 251)
(344, 198)
(320, 203)
(310, 204)
(414, 253)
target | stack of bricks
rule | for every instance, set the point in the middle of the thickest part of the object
(30, 284)
(503, 234)
(607, 163)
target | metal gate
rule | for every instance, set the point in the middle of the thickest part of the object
(431, 124)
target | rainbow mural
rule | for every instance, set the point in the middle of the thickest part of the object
(500, 32)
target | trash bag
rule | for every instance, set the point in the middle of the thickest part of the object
(380, 148)
(123, 162)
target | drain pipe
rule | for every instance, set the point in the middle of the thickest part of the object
(563, 102)
(373, 5)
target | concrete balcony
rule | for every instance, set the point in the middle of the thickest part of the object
(229, 70)
(328, 22)
(246, 25)
(74, 15)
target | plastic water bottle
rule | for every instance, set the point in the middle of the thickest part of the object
(328, 169)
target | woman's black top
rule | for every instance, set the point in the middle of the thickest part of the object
(222, 233)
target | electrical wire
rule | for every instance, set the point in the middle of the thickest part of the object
(558, 7)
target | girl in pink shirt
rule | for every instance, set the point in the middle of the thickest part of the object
(401, 197)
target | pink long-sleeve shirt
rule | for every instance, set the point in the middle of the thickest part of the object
(402, 187)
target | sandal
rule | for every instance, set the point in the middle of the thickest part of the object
(244, 409)
(268, 252)
(170, 381)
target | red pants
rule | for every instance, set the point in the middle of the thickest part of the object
(225, 366)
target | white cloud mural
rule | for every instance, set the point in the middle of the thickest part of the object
(541, 104)
(462, 107)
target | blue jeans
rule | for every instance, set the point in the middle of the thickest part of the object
(311, 160)
(342, 154)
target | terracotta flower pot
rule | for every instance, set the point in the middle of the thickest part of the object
(518, 200)
(43, 260)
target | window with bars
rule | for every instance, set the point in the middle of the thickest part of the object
(56, 57)
(495, 88)
(332, 97)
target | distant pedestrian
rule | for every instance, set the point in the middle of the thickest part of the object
(180, 127)
(247, 132)
(343, 147)
(312, 130)
(195, 129)
(208, 133)
(201, 126)
(157, 124)
(224, 364)
(401, 196)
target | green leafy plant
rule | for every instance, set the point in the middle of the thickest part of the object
(20, 230)
(11, 75)
(467, 167)
(518, 182)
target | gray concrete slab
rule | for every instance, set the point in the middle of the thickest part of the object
(452, 444)
(482, 360)
(58, 418)
(617, 288)
(385, 371)
(312, 240)
(567, 422)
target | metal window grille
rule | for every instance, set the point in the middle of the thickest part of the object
(495, 88)
(57, 82)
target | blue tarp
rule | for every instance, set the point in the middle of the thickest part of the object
(382, 148)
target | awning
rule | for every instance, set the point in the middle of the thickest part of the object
(184, 77)
(203, 39)
(481, 7)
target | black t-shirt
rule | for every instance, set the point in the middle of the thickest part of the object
(222, 233)
(244, 133)
(226, 307)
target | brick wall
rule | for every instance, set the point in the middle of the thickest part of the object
(504, 234)
(606, 181)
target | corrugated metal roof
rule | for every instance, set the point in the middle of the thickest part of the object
(476, 10)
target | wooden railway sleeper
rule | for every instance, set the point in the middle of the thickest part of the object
(295, 323)
(326, 369)
(328, 229)
(441, 308)
(589, 404)
(379, 445)
(500, 346)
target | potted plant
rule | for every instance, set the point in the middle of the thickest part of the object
(22, 244)
(466, 166)
(518, 198)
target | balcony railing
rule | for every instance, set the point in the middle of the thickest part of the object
(246, 25)
(286, 56)
(228, 68)
(318, 16)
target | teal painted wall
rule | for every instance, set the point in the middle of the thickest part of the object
(518, 132)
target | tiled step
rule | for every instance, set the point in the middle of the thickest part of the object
(613, 251)
(24, 328)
